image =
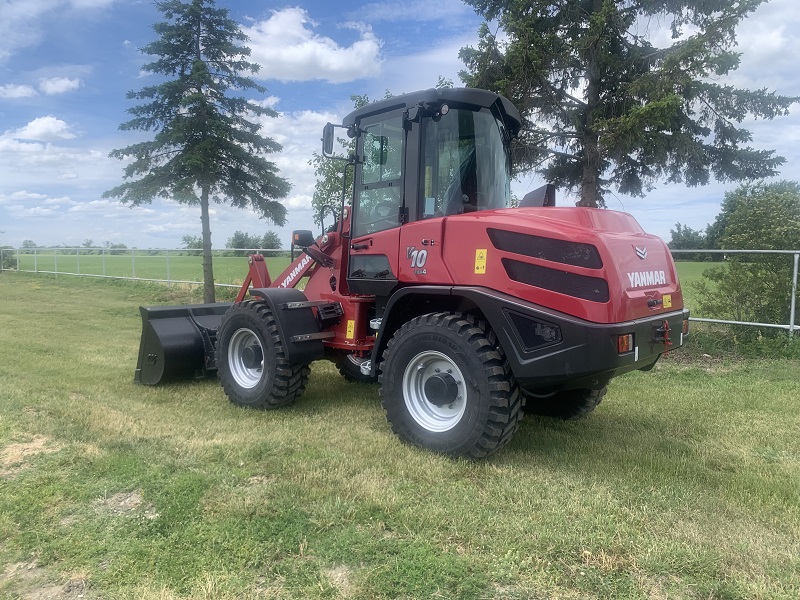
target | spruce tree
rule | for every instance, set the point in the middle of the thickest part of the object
(606, 108)
(205, 147)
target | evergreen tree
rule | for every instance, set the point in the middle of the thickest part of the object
(204, 147)
(604, 107)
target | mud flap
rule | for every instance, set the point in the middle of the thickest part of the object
(178, 342)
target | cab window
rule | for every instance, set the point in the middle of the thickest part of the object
(379, 188)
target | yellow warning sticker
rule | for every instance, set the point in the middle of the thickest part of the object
(480, 261)
(351, 329)
(666, 299)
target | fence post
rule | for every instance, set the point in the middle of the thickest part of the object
(794, 293)
(104, 262)
(133, 264)
(169, 279)
(55, 262)
(78, 260)
(35, 260)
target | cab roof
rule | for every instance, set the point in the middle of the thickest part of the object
(471, 97)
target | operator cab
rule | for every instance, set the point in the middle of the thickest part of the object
(421, 156)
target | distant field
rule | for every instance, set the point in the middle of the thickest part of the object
(227, 269)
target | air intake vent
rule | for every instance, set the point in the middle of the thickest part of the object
(570, 284)
(560, 251)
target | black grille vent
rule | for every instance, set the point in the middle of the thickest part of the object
(570, 284)
(534, 333)
(560, 251)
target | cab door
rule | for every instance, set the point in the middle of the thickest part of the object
(378, 209)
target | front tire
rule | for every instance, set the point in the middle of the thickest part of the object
(251, 361)
(446, 386)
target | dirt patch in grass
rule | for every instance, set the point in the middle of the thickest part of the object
(341, 578)
(14, 457)
(126, 504)
(30, 582)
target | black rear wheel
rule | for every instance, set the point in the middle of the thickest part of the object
(251, 361)
(446, 386)
(568, 405)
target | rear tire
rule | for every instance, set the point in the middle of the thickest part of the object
(568, 405)
(446, 386)
(251, 361)
(350, 368)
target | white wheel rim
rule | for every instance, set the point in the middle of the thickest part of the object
(246, 377)
(427, 414)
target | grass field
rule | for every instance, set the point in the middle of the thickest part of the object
(683, 484)
(227, 269)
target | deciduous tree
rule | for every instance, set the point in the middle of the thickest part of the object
(755, 287)
(205, 146)
(605, 107)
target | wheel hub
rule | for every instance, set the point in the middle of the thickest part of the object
(441, 389)
(252, 356)
(434, 391)
(245, 358)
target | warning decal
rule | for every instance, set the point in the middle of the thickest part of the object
(666, 300)
(351, 329)
(480, 261)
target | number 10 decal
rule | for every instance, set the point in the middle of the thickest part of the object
(418, 259)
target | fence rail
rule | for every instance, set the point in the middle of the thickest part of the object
(792, 326)
(97, 262)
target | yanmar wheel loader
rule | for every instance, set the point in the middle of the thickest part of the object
(463, 308)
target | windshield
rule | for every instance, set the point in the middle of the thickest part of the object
(466, 164)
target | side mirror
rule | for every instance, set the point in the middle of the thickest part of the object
(302, 238)
(327, 140)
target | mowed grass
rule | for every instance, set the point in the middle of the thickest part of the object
(685, 483)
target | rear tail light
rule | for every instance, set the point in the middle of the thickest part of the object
(625, 343)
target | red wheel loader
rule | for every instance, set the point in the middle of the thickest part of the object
(465, 310)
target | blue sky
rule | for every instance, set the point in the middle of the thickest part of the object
(66, 65)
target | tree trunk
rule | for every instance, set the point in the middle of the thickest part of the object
(208, 268)
(590, 181)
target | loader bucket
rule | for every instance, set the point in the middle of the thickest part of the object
(178, 342)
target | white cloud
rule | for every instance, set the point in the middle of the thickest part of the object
(43, 129)
(59, 85)
(287, 49)
(12, 90)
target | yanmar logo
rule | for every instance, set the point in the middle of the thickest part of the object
(295, 272)
(647, 278)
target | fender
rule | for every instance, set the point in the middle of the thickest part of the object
(297, 325)
(553, 350)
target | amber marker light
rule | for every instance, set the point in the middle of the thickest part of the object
(625, 343)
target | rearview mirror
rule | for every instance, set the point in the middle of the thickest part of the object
(327, 139)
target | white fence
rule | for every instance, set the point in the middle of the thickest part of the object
(108, 262)
(100, 262)
(791, 326)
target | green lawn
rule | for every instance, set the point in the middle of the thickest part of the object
(683, 483)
